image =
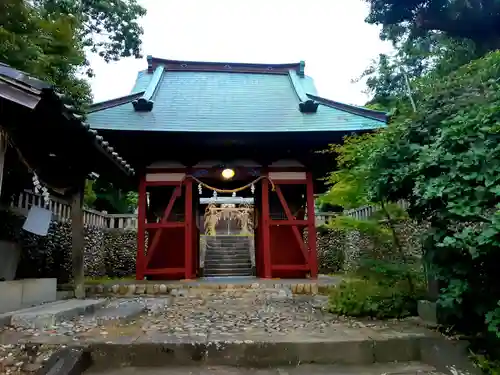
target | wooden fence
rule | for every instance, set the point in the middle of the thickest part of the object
(61, 211)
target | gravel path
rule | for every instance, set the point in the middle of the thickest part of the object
(234, 315)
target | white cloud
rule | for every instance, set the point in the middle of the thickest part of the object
(330, 35)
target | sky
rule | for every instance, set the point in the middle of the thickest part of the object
(329, 35)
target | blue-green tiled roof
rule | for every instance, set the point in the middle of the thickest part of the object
(204, 101)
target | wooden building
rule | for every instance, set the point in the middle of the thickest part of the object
(44, 140)
(186, 122)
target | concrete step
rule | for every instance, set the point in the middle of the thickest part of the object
(47, 315)
(226, 247)
(413, 368)
(227, 272)
(122, 310)
(227, 259)
(233, 265)
(219, 253)
(391, 354)
(227, 244)
(227, 252)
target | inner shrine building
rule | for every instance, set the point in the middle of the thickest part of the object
(228, 166)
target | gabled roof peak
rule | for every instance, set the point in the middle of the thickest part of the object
(236, 67)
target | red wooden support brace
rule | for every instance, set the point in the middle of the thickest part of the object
(156, 237)
(291, 221)
(141, 231)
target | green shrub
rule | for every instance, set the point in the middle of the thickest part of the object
(366, 298)
(381, 290)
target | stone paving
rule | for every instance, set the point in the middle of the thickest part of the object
(238, 315)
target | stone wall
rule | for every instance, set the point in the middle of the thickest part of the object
(111, 252)
(108, 252)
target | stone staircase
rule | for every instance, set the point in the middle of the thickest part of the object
(227, 256)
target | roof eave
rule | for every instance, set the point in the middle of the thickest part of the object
(37, 90)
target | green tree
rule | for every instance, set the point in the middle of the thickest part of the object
(389, 78)
(444, 160)
(109, 28)
(49, 38)
(476, 20)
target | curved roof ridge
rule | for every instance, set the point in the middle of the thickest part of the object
(110, 103)
(241, 67)
(356, 110)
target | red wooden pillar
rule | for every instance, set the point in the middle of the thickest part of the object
(266, 239)
(311, 227)
(140, 265)
(188, 225)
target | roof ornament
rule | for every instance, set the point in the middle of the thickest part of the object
(149, 59)
(145, 103)
(302, 68)
(306, 104)
(227, 66)
(184, 66)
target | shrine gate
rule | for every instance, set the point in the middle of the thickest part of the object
(198, 130)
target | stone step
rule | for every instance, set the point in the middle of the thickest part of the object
(413, 368)
(225, 247)
(227, 272)
(122, 310)
(219, 252)
(228, 244)
(227, 252)
(226, 259)
(406, 351)
(46, 316)
(242, 259)
(228, 238)
(230, 266)
(228, 262)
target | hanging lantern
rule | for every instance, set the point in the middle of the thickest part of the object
(234, 194)
(252, 189)
(200, 191)
(38, 221)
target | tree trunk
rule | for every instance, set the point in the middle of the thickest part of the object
(78, 241)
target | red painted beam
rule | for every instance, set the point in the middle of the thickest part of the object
(300, 223)
(171, 224)
(162, 183)
(289, 182)
(166, 271)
